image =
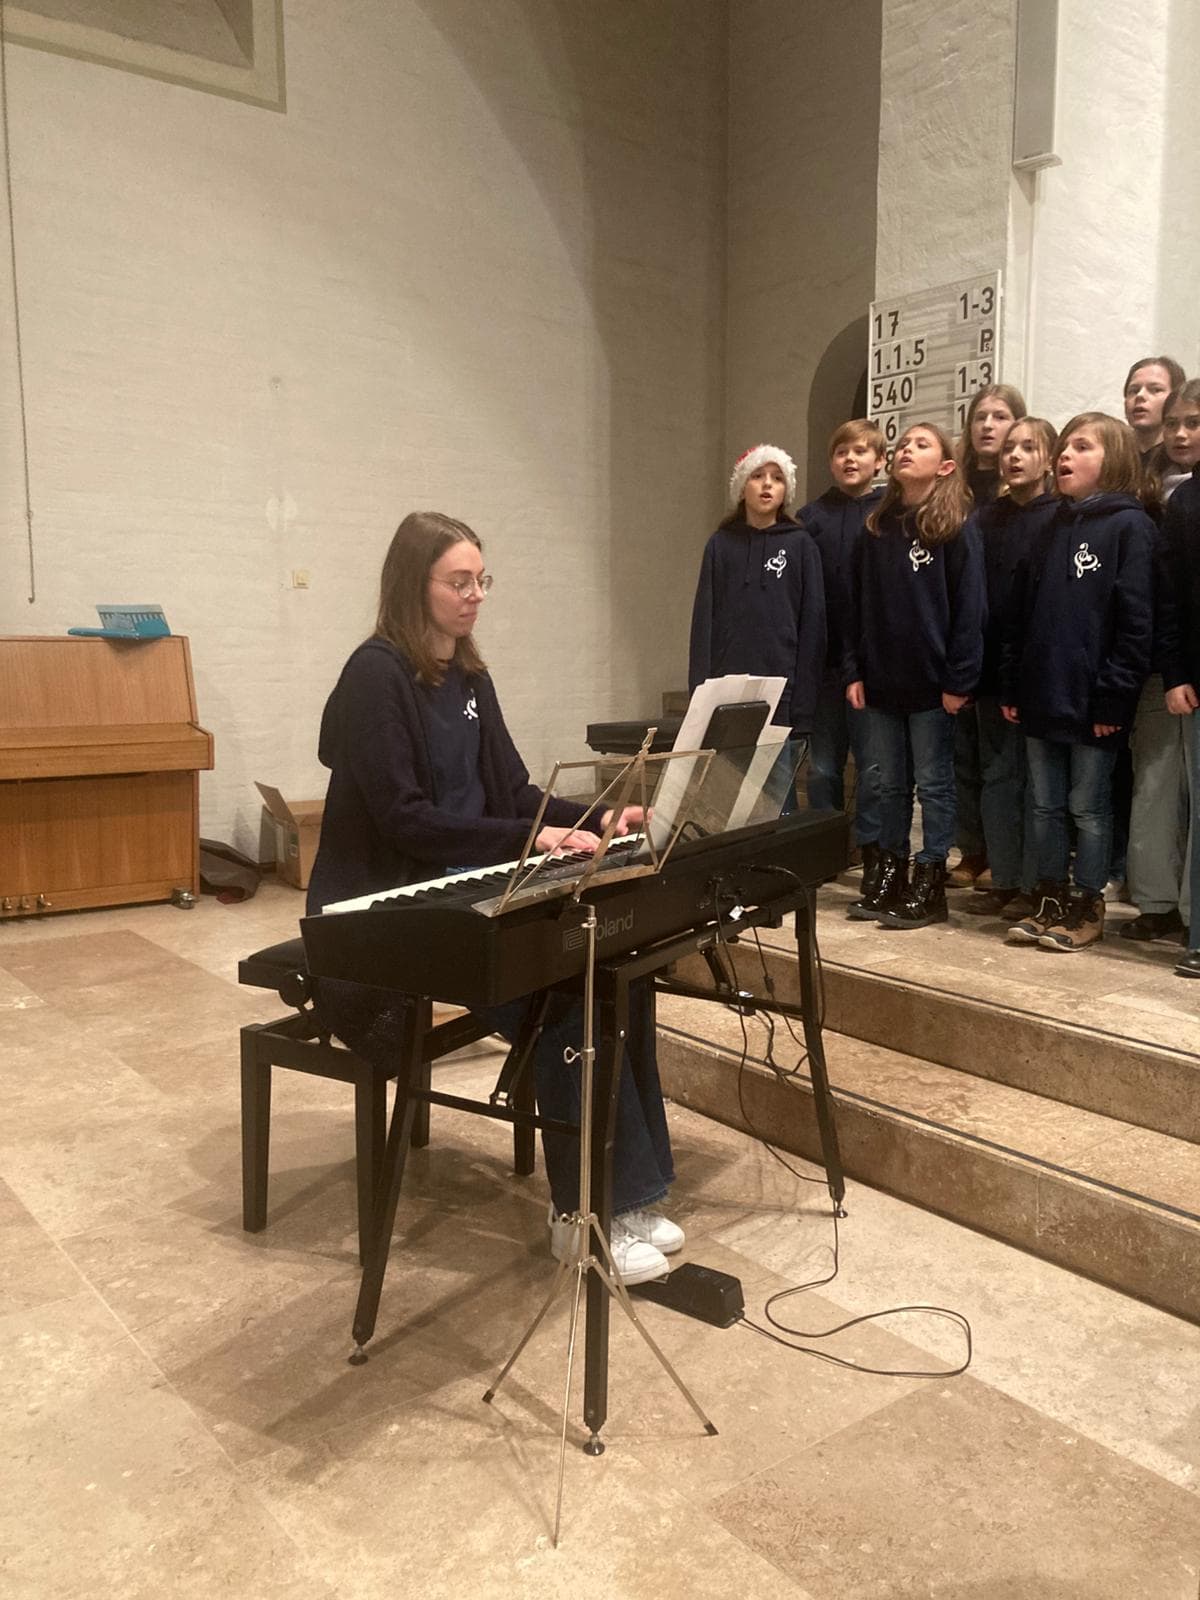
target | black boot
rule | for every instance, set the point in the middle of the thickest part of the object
(872, 866)
(888, 890)
(925, 902)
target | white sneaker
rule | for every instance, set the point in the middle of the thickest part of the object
(635, 1260)
(653, 1228)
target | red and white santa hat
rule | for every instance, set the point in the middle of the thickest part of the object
(758, 456)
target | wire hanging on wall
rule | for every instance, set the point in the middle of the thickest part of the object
(16, 300)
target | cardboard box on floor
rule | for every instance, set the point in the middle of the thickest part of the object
(296, 825)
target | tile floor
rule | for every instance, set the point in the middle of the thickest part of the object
(178, 1416)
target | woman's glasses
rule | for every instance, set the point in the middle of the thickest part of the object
(464, 588)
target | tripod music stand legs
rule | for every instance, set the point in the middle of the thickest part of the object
(589, 1230)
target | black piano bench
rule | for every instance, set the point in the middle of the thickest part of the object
(299, 1042)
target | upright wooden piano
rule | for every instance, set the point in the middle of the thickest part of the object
(100, 755)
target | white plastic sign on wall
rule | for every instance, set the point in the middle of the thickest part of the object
(929, 352)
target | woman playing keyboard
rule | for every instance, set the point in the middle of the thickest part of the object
(425, 779)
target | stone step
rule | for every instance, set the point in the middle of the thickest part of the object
(1110, 1031)
(1103, 1197)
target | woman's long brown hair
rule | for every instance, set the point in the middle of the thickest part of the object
(940, 516)
(417, 545)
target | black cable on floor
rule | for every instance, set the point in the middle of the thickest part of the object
(785, 1334)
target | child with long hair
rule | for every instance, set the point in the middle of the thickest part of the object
(1156, 870)
(1010, 527)
(1177, 630)
(914, 648)
(991, 413)
(1077, 650)
(1149, 384)
(760, 599)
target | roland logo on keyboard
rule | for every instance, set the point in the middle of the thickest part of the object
(606, 928)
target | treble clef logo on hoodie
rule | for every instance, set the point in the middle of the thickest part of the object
(1085, 561)
(471, 710)
(776, 563)
(919, 555)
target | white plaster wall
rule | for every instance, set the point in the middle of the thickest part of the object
(477, 266)
(1116, 228)
(803, 136)
(945, 141)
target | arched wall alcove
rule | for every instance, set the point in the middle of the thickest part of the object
(838, 391)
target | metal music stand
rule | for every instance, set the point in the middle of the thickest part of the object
(589, 1257)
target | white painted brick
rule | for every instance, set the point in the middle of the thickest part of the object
(476, 266)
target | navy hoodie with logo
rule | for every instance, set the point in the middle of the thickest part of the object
(386, 820)
(1177, 615)
(760, 609)
(916, 616)
(835, 519)
(1078, 637)
(1009, 531)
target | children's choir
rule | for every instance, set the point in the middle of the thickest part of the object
(988, 632)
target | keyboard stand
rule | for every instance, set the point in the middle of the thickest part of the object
(612, 985)
(613, 980)
(511, 1101)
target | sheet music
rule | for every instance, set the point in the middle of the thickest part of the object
(732, 690)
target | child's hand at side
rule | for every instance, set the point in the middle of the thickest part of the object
(1182, 699)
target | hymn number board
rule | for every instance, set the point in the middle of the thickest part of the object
(929, 353)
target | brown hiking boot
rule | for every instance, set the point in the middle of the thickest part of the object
(1083, 923)
(1049, 904)
(963, 876)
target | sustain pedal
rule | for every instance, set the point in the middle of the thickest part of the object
(701, 1292)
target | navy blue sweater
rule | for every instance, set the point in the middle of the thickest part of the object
(383, 825)
(917, 616)
(760, 608)
(1077, 642)
(1177, 610)
(835, 520)
(1008, 531)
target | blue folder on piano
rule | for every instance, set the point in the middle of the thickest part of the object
(127, 622)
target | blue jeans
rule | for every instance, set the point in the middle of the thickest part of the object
(1074, 778)
(1006, 802)
(927, 739)
(371, 1022)
(837, 730)
(968, 781)
(642, 1166)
